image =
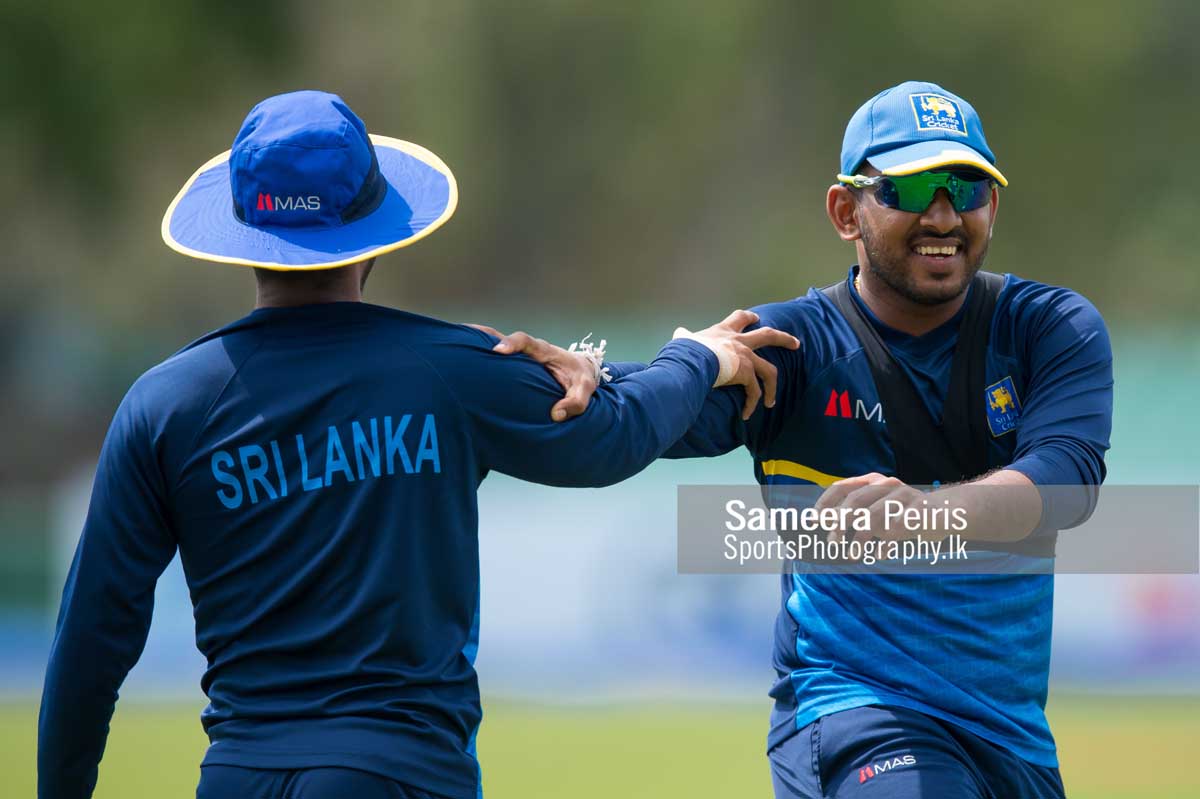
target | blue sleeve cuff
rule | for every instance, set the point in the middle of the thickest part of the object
(1043, 470)
(696, 352)
(1067, 498)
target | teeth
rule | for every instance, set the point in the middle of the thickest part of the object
(949, 249)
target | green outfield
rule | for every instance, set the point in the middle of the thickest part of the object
(1110, 747)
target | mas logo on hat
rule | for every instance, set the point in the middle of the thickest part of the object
(1003, 407)
(937, 112)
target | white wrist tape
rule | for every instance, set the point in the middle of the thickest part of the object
(595, 354)
(725, 356)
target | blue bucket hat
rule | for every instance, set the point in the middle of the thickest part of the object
(915, 127)
(306, 187)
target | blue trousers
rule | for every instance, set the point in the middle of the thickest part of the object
(232, 782)
(878, 752)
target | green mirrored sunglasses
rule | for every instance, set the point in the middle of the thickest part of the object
(914, 193)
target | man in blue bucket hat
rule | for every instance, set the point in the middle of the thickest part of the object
(919, 369)
(316, 464)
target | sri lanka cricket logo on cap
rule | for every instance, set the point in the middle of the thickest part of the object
(936, 112)
(1003, 407)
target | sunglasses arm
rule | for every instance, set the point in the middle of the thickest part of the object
(858, 181)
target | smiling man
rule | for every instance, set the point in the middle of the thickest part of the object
(920, 369)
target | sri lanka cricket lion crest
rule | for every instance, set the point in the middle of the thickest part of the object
(1001, 400)
(1003, 406)
(938, 105)
(936, 112)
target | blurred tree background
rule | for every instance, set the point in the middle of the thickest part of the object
(657, 161)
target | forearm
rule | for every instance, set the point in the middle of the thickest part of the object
(72, 726)
(100, 635)
(628, 424)
(1004, 506)
(618, 369)
(622, 404)
(646, 412)
(718, 429)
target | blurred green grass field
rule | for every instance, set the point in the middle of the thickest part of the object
(1110, 747)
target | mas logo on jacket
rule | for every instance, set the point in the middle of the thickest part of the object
(844, 406)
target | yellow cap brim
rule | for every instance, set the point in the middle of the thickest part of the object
(951, 156)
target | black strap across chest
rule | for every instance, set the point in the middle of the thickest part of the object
(957, 449)
(926, 452)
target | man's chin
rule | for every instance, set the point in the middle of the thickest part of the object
(940, 297)
(936, 290)
(927, 281)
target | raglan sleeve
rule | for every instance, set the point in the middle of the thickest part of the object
(1067, 418)
(627, 425)
(106, 607)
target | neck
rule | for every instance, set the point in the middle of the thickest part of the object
(289, 289)
(898, 312)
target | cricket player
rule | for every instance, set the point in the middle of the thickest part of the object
(919, 369)
(315, 464)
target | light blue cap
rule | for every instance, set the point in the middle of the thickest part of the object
(915, 127)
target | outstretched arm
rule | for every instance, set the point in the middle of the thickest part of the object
(626, 425)
(731, 416)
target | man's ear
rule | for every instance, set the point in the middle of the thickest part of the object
(995, 207)
(840, 205)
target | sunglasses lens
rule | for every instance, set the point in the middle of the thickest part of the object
(967, 195)
(914, 193)
(887, 193)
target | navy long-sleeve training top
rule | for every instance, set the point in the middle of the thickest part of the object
(971, 649)
(316, 468)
